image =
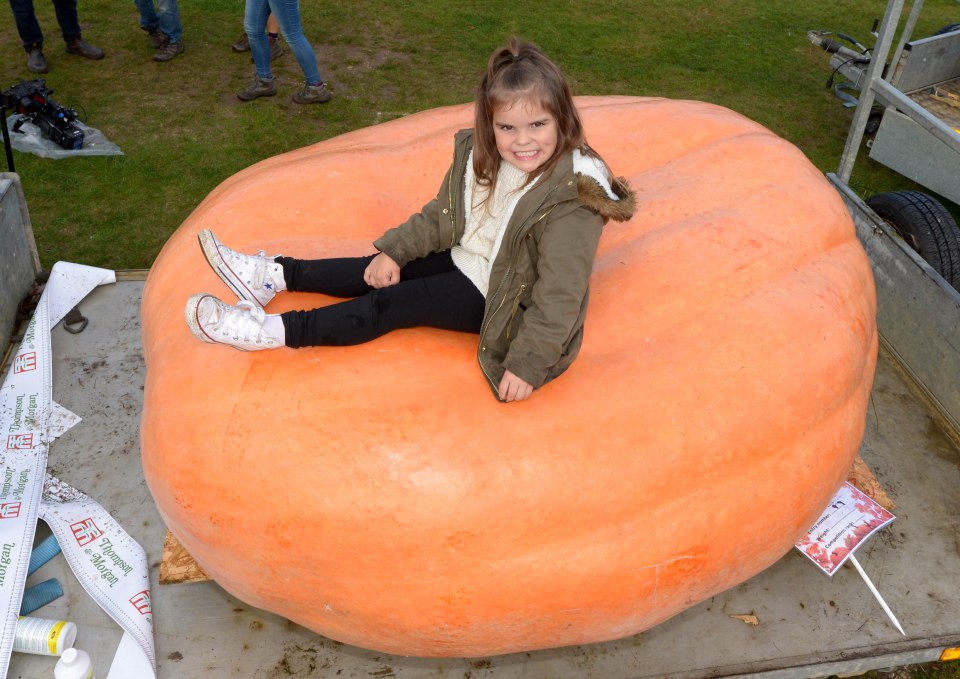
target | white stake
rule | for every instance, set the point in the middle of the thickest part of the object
(886, 609)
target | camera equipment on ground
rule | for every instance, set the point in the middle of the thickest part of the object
(31, 99)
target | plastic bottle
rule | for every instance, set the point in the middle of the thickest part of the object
(74, 664)
(44, 637)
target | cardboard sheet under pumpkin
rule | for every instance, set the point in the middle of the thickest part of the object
(381, 496)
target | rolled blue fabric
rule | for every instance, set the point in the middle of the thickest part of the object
(42, 553)
(40, 595)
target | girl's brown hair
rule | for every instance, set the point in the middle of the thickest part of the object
(516, 72)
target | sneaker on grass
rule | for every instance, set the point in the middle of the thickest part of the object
(258, 88)
(157, 37)
(313, 94)
(80, 46)
(36, 62)
(169, 51)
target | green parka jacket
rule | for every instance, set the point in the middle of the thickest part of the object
(537, 298)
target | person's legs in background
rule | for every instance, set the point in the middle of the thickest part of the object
(169, 25)
(150, 22)
(70, 28)
(30, 34)
(254, 24)
(287, 13)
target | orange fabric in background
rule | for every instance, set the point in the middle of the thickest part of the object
(381, 496)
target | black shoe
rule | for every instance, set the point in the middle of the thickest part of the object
(169, 51)
(36, 62)
(79, 46)
(157, 38)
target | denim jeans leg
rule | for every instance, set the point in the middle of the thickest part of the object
(287, 13)
(148, 16)
(27, 25)
(67, 18)
(170, 19)
(255, 26)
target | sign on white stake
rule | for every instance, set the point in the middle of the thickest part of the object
(851, 517)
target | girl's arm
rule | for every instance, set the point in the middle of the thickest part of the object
(566, 251)
(433, 228)
(416, 237)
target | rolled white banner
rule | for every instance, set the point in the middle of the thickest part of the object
(110, 565)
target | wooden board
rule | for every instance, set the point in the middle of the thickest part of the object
(176, 564)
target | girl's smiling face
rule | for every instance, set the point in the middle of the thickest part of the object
(526, 134)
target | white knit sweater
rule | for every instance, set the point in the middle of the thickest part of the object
(486, 221)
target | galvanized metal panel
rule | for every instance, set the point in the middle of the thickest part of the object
(19, 264)
(809, 624)
(918, 313)
(906, 147)
(929, 61)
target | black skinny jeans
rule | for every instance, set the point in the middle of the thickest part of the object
(432, 292)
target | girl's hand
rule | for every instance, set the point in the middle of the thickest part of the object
(512, 388)
(381, 272)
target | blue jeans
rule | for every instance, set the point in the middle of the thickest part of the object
(287, 13)
(29, 28)
(166, 17)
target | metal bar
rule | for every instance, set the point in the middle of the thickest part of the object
(894, 72)
(6, 137)
(879, 57)
(917, 113)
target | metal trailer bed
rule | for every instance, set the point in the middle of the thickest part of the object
(919, 133)
(808, 625)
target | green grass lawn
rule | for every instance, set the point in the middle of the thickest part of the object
(183, 130)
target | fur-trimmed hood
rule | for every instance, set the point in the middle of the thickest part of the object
(611, 198)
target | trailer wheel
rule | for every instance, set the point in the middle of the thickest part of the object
(926, 225)
(873, 120)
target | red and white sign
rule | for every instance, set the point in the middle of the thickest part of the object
(141, 602)
(850, 519)
(25, 362)
(9, 510)
(20, 442)
(85, 531)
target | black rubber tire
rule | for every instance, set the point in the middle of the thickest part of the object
(873, 120)
(926, 225)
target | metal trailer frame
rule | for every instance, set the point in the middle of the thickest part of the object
(808, 625)
(917, 138)
(20, 262)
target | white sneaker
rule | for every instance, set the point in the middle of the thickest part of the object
(255, 278)
(238, 326)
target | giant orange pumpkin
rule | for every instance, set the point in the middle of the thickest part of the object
(380, 495)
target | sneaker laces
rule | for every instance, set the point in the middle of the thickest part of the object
(260, 261)
(243, 322)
